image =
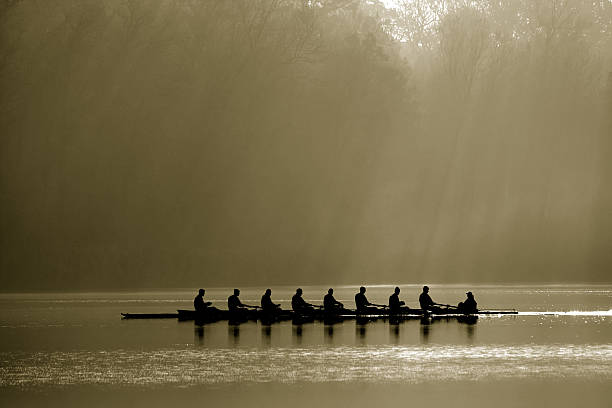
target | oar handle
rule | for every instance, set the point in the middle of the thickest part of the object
(442, 304)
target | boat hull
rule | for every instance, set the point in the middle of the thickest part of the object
(283, 315)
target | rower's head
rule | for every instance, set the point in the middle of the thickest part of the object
(268, 292)
(425, 289)
(201, 292)
(236, 292)
(330, 291)
(469, 295)
(362, 289)
(397, 290)
(299, 291)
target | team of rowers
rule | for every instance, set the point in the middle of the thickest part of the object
(331, 305)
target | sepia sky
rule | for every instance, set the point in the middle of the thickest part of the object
(260, 142)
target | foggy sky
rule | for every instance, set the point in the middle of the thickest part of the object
(258, 142)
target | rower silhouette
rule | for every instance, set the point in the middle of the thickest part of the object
(201, 306)
(363, 305)
(330, 304)
(235, 305)
(266, 302)
(395, 305)
(299, 305)
(198, 303)
(427, 304)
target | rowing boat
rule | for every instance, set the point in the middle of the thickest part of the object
(213, 315)
(149, 315)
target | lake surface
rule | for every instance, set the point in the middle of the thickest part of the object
(73, 349)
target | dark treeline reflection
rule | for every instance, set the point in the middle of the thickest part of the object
(178, 143)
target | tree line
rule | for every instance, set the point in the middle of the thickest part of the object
(171, 142)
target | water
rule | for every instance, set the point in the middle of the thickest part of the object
(72, 349)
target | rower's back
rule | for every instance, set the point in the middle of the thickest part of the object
(233, 302)
(198, 302)
(330, 304)
(425, 300)
(361, 302)
(266, 302)
(394, 303)
(297, 303)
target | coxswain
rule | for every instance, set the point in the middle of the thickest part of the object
(469, 305)
(266, 302)
(298, 304)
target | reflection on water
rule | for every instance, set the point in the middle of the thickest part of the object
(199, 332)
(297, 334)
(65, 339)
(329, 333)
(361, 331)
(410, 364)
(266, 334)
(424, 330)
(234, 333)
(394, 330)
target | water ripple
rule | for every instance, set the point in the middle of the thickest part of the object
(411, 364)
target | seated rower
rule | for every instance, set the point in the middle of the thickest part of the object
(298, 304)
(198, 303)
(234, 304)
(266, 302)
(362, 303)
(330, 304)
(395, 305)
(427, 304)
(469, 305)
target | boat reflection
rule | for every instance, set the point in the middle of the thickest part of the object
(297, 334)
(424, 329)
(234, 333)
(199, 334)
(266, 334)
(328, 330)
(361, 332)
(427, 322)
(394, 332)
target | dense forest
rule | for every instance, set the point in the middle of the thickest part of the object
(176, 143)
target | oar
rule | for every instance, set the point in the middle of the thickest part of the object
(383, 306)
(441, 304)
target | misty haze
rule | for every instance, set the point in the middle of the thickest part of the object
(306, 203)
(178, 143)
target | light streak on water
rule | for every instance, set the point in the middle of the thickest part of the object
(408, 364)
(570, 313)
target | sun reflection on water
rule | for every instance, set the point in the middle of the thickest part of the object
(413, 364)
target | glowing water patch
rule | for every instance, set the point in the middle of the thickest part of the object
(570, 313)
(410, 364)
